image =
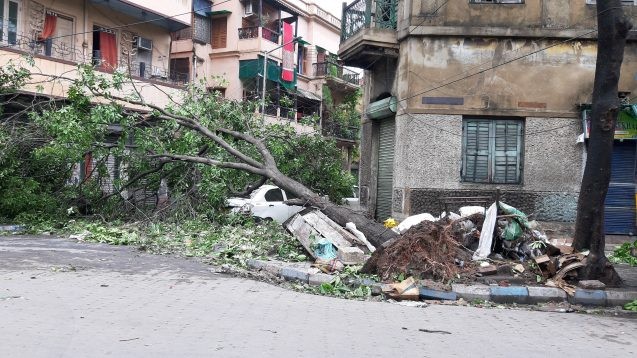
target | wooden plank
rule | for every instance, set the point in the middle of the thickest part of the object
(326, 230)
(346, 234)
(303, 232)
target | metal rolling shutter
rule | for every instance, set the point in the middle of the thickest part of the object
(619, 216)
(385, 168)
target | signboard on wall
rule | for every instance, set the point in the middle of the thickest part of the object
(626, 128)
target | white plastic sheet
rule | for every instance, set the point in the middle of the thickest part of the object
(486, 236)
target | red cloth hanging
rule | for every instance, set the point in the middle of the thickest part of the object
(49, 27)
(108, 49)
(287, 70)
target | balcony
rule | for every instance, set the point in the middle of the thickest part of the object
(328, 69)
(368, 31)
(48, 50)
(252, 32)
(341, 132)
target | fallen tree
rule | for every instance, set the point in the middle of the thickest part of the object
(198, 128)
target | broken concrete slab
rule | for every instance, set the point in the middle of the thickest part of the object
(488, 270)
(351, 255)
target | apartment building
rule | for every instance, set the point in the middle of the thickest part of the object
(227, 44)
(114, 35)
(466, 96)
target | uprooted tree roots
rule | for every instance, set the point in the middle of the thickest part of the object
(427, 250)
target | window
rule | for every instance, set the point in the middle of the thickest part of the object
(180, 69)
(492, 150)
(496, 1)
(219, 32)
(201, 29)
(9, 21)
(274, 195)
(104, 47)
(63, 40)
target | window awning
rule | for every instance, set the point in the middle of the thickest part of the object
(201, 7)
(218, 12)
(308, 95)
(143, 14)
(254, 68)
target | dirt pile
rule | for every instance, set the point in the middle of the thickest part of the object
(427, 250)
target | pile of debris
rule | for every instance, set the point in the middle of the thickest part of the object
(474, 244)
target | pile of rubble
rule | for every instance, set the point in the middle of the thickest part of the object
(472, 245)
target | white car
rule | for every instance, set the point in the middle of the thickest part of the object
(266, 202)
(354, 201)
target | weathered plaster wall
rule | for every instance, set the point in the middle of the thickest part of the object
(550, 81)
(428, 160)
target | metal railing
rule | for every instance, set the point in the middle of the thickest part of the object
(362, 14)
(337, 71)
(63, 52)
(248, 32)
(340, 131)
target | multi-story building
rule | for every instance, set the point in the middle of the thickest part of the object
(465, 96)
(131, 36)
(228, 42)
(116, 35)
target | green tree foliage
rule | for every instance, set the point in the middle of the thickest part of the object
(138, 138)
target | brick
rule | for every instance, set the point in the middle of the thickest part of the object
(470, 293)
(511, 294)
(318, 279)
(589, 297)
(620, 298)
(546, 294)
(292, 274)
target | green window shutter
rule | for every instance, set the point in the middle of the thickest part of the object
(476, 159)
(506, 151)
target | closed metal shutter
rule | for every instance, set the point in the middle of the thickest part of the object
(385, 169)
(619, 213)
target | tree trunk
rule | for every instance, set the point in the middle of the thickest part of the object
(376, 233)
(613, 29)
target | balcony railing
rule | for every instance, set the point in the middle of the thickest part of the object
(64, 52)
(362, 14)
(340, 131)
(329, 69)
(248, 32)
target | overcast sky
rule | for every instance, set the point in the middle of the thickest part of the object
(333, 6)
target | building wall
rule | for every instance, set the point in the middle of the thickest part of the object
(428, 159)
(495, 60)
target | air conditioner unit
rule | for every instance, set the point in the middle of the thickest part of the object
(247, 10)
(144, 43)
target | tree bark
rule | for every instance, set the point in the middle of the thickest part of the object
(376, 233)
(613, 29)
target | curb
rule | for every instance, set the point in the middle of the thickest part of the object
(512, 294)
(535, 295)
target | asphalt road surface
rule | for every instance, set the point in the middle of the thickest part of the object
(60, 298)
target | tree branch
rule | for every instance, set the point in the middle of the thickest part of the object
(209, 161)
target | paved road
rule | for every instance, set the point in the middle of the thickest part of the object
(59, 298)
